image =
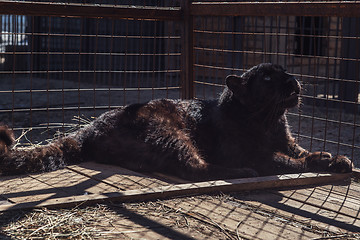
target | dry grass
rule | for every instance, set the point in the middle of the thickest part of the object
(76, 223)
(103, 222)
(23, 142)
(141, 220)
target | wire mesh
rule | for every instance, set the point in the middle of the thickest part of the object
(55, 68)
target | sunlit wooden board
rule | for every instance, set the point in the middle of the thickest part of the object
(57, 184)
(174, 190)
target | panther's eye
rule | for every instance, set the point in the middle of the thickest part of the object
(267, 78)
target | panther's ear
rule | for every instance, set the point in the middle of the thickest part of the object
(235, 83)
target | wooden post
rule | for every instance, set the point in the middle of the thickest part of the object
(187, 52)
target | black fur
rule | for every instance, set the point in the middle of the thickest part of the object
(244, 133)
(6, 139)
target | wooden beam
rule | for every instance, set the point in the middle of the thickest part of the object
(89, 10)
(329, 9)
(234, 185)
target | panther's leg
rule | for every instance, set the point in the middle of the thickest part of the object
(316, 161)
(186, 160)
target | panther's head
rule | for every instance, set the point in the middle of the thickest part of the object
(264, 87)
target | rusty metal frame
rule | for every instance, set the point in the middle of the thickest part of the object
(309, 8)
(90, 10)
(314, 8)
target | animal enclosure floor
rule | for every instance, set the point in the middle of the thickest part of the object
(324, 211)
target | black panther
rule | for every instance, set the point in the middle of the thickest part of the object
(243, 133)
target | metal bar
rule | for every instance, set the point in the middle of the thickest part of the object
(89, 71)
(89, 10)
(334, 9)
(126, 61)
(60, 90)
(91, 35)
(187, 60)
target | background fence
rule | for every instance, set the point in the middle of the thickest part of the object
(62, 59)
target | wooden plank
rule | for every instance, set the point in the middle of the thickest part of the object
(351, 191)
(325, 200)
(302, 212)
(73, 183)
(314, 206)
(154, 220)
(115, 176)
(38, 187)
(248, 223)
(244, 184)
(271, 203)
(324, 215)
(89, 10)
(328, 9)
(25, 188)
(171, 224)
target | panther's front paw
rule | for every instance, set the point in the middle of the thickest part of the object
(323, 161)
(318, 160)
(340, 164)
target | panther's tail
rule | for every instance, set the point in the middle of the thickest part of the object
(49, 157)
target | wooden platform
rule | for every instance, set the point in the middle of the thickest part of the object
(310, 212)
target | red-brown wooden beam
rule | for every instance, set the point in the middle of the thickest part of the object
(89, 10)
